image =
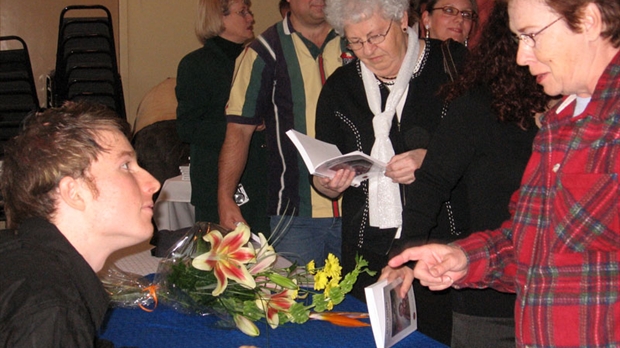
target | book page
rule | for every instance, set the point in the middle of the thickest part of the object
(392, 318)
(363, 165)
(313, 151)
(376, 311)
(401, 316)
(324, 159)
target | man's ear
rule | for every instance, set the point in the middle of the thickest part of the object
(71, 191)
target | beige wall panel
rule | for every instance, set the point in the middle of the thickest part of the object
(152, 37)
(156, 34)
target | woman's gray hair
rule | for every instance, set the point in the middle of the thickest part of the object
(339, 12)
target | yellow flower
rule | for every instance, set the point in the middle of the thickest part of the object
(320, 280)
(334, 282)
(332, 266)
(311, 267)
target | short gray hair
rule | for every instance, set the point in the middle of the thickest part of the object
(339, 12)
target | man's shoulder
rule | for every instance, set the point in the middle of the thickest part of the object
(271, 36)
(9, 240)
(48, 310)
(31, 279)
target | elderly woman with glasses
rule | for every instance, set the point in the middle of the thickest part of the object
(450, 19)
(203, 84)
(560, 249)
(385, 104)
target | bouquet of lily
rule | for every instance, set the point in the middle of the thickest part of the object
(236, 275)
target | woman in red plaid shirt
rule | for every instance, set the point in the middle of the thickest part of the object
(560, 252)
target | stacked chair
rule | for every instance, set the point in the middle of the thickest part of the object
(18, 94)
(86, 65)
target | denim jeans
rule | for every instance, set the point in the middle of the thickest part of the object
(306, 239)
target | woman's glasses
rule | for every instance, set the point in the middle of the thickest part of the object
(453, 11)
(528, 39)
(373, 40)
(244, 13)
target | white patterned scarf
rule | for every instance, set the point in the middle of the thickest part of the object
(384, 201)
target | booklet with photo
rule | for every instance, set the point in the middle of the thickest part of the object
(324, 159)
(392, 317)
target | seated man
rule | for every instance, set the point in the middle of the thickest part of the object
(74, 193)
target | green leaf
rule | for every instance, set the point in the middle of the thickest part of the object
(319, 303)
(336, 295)
(251, 311)
(282, 281)
(298, 313)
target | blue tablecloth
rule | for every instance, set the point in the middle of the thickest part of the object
(165, 327)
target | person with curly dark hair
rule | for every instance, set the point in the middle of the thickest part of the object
(482, 146)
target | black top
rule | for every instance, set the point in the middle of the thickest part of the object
(475, 152)
(204, 79)
(49, 295)
(344, 118)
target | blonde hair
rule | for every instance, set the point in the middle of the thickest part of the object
(209, 17)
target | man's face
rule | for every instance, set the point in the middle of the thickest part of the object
(309, 12)
(121, 209)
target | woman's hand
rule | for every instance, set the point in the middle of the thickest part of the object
(403, 272)
(438, 267)
(401, 167)
(333, 187)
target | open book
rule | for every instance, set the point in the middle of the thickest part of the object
(392, 317)
(324, 159)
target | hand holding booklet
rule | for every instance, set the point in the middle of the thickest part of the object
(324, 159)
(392, 317)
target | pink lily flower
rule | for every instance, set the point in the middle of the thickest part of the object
(265, 256)
(227, 258)
(272, 304)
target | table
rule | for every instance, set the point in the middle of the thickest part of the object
(173, 210)
(166, 327)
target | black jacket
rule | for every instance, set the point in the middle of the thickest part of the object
(49, 295)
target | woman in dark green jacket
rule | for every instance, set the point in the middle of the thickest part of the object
(203, 83)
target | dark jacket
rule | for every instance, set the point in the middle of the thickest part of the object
(486, 158)
(204, 78)
(49, 295)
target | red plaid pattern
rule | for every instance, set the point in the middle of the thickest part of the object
(561, 251)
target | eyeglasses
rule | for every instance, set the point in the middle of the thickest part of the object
(244, 13)
(373, 40)
(453, 11)
(528, 39)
